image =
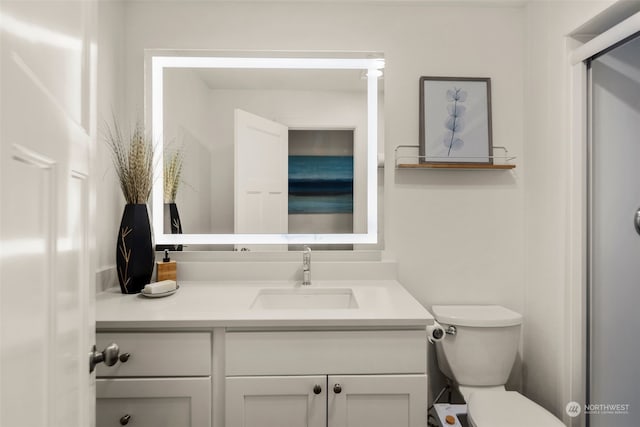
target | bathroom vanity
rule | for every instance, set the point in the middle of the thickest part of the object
(268, 353)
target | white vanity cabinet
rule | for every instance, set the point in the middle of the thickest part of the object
(326, 378)
(209, 357)
(161, 379)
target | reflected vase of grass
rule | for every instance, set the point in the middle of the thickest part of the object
(172, 225)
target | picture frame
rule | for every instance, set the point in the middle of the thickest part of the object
(320, 184)
(455, 120)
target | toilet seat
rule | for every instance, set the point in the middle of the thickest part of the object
(507, 409)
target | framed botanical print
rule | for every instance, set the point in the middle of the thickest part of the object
(455, 120)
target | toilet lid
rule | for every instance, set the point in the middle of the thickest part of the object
(507, 409)
(481, 316)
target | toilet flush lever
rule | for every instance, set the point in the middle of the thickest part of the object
(636, 221)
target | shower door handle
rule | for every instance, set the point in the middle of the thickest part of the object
(636, 220)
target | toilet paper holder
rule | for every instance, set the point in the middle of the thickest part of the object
(435, 332)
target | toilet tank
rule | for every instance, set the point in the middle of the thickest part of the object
(484, 348)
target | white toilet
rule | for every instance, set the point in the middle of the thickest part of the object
(478, 353)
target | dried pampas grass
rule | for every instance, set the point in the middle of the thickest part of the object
(133, 160)
(172, 170)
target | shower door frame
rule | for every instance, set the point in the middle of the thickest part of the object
(578, 347)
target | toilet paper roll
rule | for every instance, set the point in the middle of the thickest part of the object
(435, 332)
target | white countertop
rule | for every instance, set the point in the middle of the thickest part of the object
(381, 303)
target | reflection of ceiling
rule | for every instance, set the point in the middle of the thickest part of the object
(279, 79)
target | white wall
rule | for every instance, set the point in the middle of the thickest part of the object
(546, 366)
(111, 101)
(457, 235)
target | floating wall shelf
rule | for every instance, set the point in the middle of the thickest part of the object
(406, 157)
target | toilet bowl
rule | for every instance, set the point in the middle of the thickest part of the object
(478, 354)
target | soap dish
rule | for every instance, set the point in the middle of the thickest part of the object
(161, 294)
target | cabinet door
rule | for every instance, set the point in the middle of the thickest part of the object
(377, 401)
(276, 401)
(153, 402)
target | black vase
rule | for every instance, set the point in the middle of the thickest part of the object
(134, 249)
(172, 225)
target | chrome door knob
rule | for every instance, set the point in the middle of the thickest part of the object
(125, 420)
(111, 354)
(108, 356)
(337, 389)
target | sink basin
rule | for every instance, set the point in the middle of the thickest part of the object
(305, 299)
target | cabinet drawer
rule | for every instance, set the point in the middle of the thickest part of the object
(326, 352)
(158, 354)
(151, 402)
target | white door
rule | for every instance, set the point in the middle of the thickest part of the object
(261, 175)
(291, 401)
(47, 129)
(377, 401)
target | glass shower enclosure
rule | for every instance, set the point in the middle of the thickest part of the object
(613, 294)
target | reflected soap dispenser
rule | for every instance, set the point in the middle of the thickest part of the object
(167, 269)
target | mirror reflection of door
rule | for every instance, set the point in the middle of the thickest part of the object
(261, 176)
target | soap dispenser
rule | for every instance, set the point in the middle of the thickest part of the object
(167, 269)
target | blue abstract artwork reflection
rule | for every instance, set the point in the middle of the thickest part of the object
(320, 184)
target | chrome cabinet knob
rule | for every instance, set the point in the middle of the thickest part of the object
(108, 356)
(125, 420)
(124, 357)
(337, 389)
(317, 389)
(636, 221)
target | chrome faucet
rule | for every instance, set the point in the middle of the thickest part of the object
(306, 266)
